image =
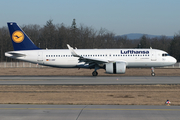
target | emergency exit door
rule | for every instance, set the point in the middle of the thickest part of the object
(40, 57)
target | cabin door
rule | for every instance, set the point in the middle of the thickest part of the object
(153, 55)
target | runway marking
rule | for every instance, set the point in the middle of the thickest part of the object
(101, 109)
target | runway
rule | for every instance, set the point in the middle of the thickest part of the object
(58, 80)
(88, 112)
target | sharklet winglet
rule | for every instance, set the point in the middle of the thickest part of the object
(72, 51)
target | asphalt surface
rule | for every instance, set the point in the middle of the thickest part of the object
(51, 80)
(88, 112)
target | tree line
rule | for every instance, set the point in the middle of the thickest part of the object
(57, 36)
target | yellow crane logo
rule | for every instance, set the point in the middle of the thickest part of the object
(18, 36)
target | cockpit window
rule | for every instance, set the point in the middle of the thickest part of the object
(165, 54)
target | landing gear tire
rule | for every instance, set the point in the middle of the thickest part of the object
(153, 74)
(94, 73)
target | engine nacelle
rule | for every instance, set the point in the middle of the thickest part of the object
(115, 68)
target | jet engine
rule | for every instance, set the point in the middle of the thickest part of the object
(115, 68)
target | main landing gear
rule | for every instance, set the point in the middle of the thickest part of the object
(95, 73)
(152, 71)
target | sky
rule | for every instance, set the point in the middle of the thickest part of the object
(155, 17)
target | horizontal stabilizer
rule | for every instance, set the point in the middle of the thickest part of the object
(14, 54)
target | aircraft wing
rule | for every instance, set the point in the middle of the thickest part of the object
(89, 60)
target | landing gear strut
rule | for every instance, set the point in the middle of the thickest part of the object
(152, 71)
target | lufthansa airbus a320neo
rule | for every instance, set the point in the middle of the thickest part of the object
(114, 61)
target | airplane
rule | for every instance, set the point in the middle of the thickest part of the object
(114, 61)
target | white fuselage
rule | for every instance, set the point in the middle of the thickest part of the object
(63, 57)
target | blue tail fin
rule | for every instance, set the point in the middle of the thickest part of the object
(19, 39)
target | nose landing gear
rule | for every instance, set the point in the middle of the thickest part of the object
(152, 71)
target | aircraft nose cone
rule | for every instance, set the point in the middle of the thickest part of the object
(174, 60)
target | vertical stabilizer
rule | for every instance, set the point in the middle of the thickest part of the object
(19, 39)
